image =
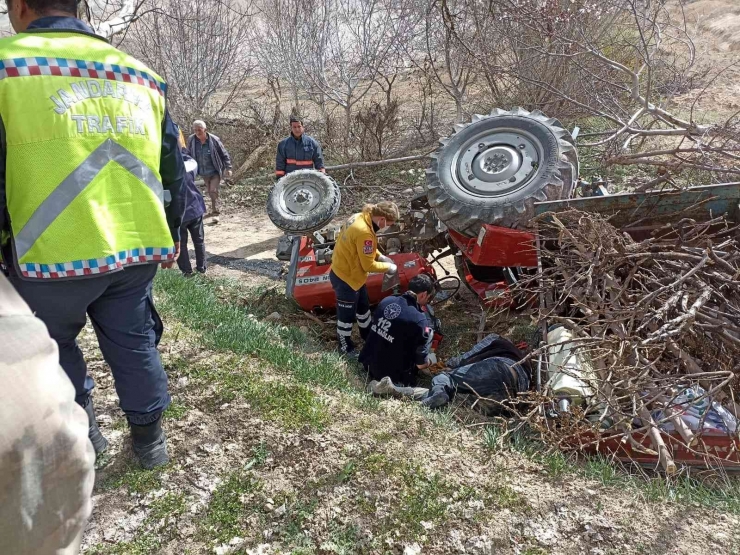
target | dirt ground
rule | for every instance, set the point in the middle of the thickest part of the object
(348, 486)
(241, 244)
(360, 482)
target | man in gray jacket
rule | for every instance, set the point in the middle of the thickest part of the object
(213, 159)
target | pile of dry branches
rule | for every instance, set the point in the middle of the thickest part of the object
(656, 317)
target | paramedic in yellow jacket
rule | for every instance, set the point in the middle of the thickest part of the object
(355, 256)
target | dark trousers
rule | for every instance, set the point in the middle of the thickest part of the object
(351, 305)
(195, 228)
(128, 328)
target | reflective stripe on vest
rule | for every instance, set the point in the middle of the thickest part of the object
(83, 137)
(75, 183)
(65, 67)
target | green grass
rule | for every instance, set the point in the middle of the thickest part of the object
(157, 529)
(135, 479)
(293, 405)
(296, 515)
(502, 496)
(168, 507)
(723, 495)
(226, 327)
(143, 544)
(176, 411)
(343, 539)
(424, 497)
(228, 509)
(259, 455)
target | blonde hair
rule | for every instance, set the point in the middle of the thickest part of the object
(384, 209)
(181, 140)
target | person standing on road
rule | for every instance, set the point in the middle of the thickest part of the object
(355, 256)
(90, 158)
(298, 151)
(214, 162)
(400, 338)
(192, 219)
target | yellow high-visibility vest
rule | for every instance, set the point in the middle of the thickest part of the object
(83, 137)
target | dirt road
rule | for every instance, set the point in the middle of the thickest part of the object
(242, 245)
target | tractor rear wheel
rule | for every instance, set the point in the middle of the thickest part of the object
(303, 201)
(493, 170)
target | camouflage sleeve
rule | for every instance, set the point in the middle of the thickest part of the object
(48, 462)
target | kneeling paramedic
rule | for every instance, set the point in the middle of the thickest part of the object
(90, 157)
(494, 372)
(401, 335)
(355, 256)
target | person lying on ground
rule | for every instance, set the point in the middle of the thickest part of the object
(490, 370)
(400, 338)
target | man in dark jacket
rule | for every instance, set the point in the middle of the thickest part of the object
(298, 151)
(214, 162)
(401, 335)
(192, 221)
(490, 371)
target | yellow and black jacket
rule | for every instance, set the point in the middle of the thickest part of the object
(356, 251)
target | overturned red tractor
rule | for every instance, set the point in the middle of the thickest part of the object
(481, 188)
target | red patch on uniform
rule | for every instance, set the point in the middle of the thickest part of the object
(368, 249)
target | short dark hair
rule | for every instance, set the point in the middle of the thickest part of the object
(44, 6)
(421, 284)
(296, 119)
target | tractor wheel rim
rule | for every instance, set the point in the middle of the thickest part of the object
(496, 163)
(301, 198)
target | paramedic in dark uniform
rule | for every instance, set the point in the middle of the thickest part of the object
(400, 335)
(298, 151)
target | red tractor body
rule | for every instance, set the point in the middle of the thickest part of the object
(489, 263)
(309, 285)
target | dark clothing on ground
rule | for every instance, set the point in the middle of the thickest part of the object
(351, 305)
(400, 340)
(220, 158)
(298, 154)
(489, 370)
(121, 309)
(195, 228)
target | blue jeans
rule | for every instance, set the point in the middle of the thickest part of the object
(128, 328)
(351, 305)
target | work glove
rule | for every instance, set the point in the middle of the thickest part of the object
(392, 270)
(432, 358)
(384, 258)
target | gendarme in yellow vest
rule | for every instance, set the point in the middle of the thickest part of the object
(83, 134)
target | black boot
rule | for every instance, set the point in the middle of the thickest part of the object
(150, 444)
(100, 444)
